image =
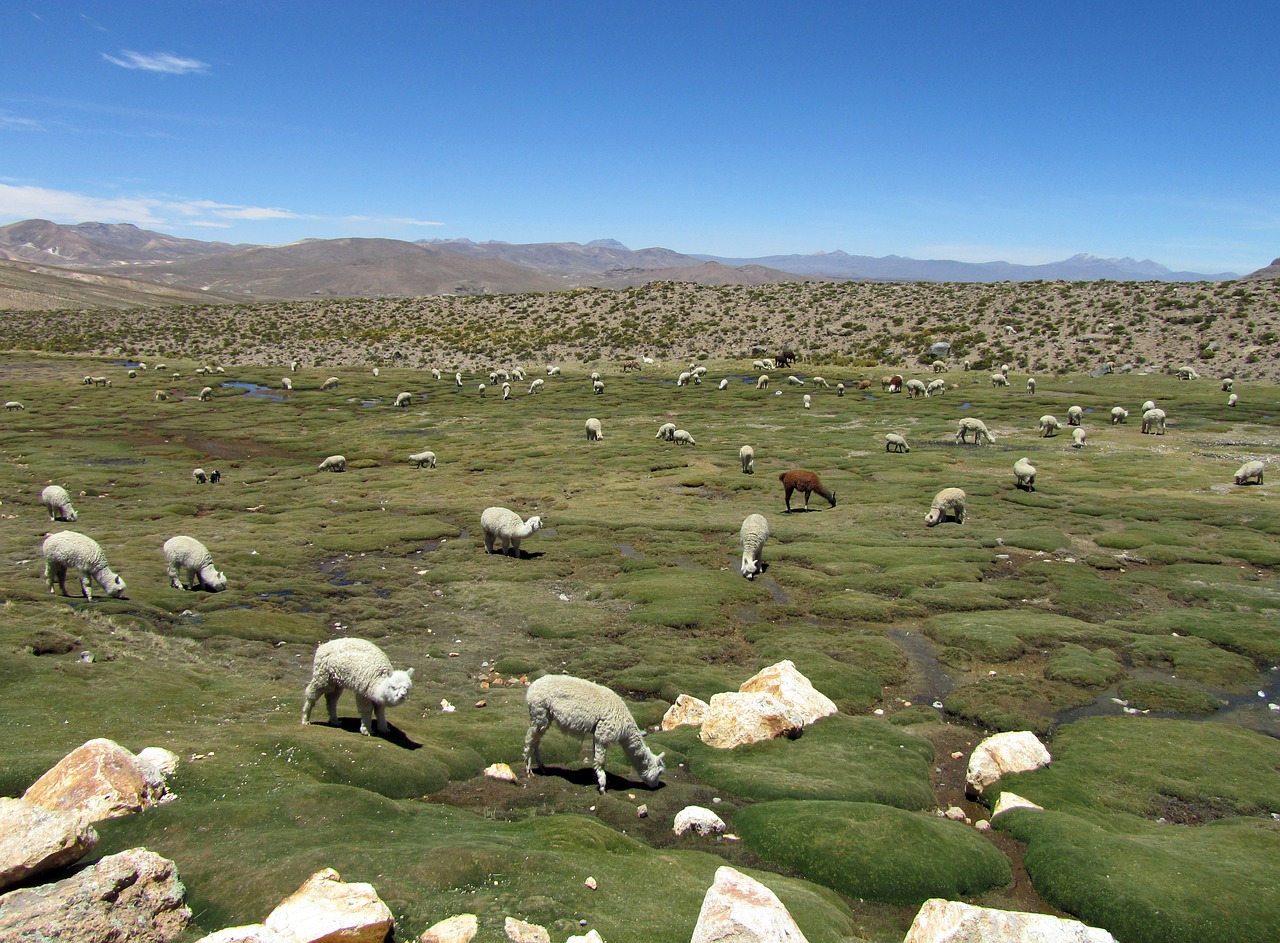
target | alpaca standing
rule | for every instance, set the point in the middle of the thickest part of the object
(584, 708)
(806, 482)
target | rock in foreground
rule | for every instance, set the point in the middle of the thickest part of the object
(99, 780)
(1013, 752)
(134, 896)
(34, 839)
(739, 909)
(946, 921)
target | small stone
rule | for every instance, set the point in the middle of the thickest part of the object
(642, 812)
(1011, 800)
(955, 813)
(482, 703)
(879, 712)
(591, 936)
(591, 883)
(446, 706)
(956, 755)
(982, 825)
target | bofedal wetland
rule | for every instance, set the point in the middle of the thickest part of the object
(1124, 610)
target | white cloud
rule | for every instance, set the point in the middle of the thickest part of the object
(394, 220)
(28, 202)
(157, 62)
(10, 122)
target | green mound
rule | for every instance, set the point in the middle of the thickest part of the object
(874, 852)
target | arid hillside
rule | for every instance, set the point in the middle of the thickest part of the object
(1224, 328)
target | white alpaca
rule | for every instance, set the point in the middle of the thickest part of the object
(747, 455)
(68, 549)
(754, 532)
(584, 708)
(594, 431)
(362, 668)
(58, 502)
(505, 525)
(191, 565)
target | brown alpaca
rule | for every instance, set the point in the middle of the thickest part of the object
(805, 482)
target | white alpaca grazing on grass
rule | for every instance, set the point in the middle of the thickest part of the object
(583, 708)
(505, 525)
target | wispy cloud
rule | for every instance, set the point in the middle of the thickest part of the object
(27, 202)
(11, 122)
(156, 62)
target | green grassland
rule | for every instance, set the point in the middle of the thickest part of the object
(1136, 572)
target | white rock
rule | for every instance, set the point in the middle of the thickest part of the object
(686, 710)
(591, 936)
(739, 909)
(735, 718)
(520, 932)
(252, 933)
(501, 771)
(1011, 800)
(792, 688)
(699, 819)
(955, 814)
(459, 929)
(324, 909)
(945, 921)
(1013, 752)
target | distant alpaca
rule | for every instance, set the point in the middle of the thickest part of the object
(805, 482)
(583, 708)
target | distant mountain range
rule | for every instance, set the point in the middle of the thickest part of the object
(356, 268)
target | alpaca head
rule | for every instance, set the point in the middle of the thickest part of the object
(114, 586)
(653, 770)
(394, 688)
(751, 567)
(214, 580)
(534, 523)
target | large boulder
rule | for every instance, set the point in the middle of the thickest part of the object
(686, 710)
(134, 896)
(253, 933)
(327, 910)
(792, 688)
(735, 718)
(34, 839)
(1014, 752)
(948, 921)
(99, 780)
(739, 909)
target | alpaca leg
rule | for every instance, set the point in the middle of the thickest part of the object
(55, 573)
(331, 700)
(308, 702)
(488, 542)
(173, 575)
(533, 743)
(365, 707)
(597, 761)
(380, 712)
(515, 547)
(787, 497)
(85, 587)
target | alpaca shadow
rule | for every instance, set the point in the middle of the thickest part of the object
(586, 776)
(394, 735)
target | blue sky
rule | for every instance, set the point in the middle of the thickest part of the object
(1021, 131)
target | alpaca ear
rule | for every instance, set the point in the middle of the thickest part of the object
(410, 674)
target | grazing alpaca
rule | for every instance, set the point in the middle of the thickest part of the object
(584, 708)
(805, 482)
(505, 525)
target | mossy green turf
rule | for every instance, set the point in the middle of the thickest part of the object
(870, 851)
(632, 583)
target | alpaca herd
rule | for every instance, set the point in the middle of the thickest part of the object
(577, 706)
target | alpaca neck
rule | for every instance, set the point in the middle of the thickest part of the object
(637, 750)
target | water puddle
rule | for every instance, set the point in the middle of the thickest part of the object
(255, 390)
(630, 552)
